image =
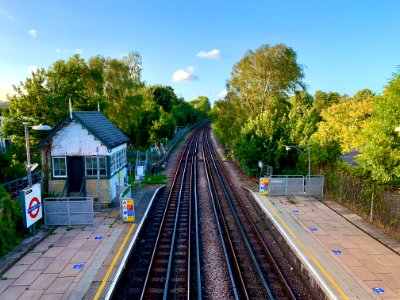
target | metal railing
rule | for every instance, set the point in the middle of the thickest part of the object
(15, 186)
(292, 185)
(68, 211)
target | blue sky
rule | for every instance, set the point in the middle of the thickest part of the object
(344, 45)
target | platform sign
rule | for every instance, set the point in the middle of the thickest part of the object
(32, 210)
(264, 185)
(128, 210)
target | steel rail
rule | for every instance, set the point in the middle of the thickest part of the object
(253, 227)
(196, 212)
(228, 260)
(187, 151)
(240, 227)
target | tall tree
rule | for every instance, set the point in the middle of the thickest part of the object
(380, 154)
(253, 117)
(164, 96)
(202, 104)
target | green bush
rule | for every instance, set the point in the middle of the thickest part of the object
(155, 179)
(9, 170)
(11, 224)
(354, 188)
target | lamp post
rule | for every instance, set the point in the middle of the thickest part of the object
(298, 148)
(98, 178)
(30, 167)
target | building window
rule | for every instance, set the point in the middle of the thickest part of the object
(118, 160)
(59, 166)
(91, 166)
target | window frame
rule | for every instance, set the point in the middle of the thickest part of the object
(94, 169)
(54, 169)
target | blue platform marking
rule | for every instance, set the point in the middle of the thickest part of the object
(378, 290)
(78, 266)
(335, 251)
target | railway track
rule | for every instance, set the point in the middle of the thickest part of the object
(168, 260)
(256, 274)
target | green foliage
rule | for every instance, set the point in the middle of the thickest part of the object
(4, 108)
(253, 119)
(202, 105)
(155, 179)
(164, 96)
(9, 170)
(11, 227)
(303, 118)
(163, 127)
(354, 188)
(380, 154)
(144, 114)
(324, 100)
(342, 121)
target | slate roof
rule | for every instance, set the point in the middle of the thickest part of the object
(97, 124)
(349, 158)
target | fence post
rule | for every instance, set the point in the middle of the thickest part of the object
(286, 185)
(372, 207)
(69, 215)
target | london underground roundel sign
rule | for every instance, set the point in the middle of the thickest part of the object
(31, 205)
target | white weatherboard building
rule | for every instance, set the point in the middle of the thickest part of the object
(70, 152)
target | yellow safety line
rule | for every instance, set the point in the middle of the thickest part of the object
(103, 283)
(337, 287)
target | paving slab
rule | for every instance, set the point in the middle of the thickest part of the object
(27, 278)
(31, 295)
(43, 281)
(65, 261)
(364, 261)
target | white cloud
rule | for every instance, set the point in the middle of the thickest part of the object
(6, 89)
(214, 54)
(4, 14)
(222, 94)
(33, 69)
(33, 33)
(66, 51)
(184, 75)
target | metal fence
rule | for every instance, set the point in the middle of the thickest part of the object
(68, 211)
(15, 186)
(292, 185)
(392, 200)
(315, 185)
(280, 185)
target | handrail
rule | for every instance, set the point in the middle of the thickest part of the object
(66, 188)
(82, 191)
(15, 186)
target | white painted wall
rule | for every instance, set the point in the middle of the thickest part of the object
(76, 140)
(114, 181)
(120, 147)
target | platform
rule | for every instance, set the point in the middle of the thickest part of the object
(346, 256)
(76, 262)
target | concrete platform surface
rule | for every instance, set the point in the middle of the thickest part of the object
(72, 262)
(347, 256)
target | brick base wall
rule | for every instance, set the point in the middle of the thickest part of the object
(56, 187)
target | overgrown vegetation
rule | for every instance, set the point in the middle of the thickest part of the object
(155, 179)
(144, 113)
(267, 107)
(11, 226)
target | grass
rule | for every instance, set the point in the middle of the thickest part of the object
(155, 179)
